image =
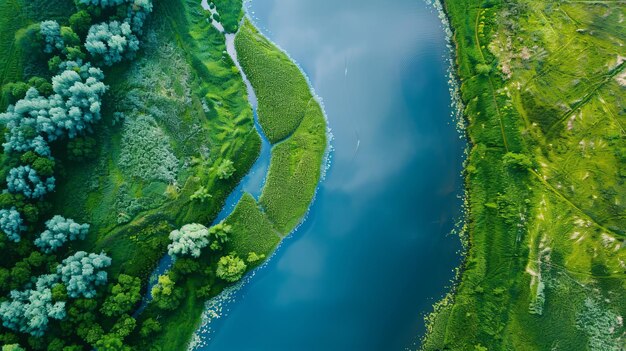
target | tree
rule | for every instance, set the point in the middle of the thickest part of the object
(44, 166)
(25, 121)
(77, 101)
(51, 33)
(189, 240)
(25, 180)
(165, 294)
(226, 169)
(219, 234)
(149, 327)
(111, 42)
(111, 342)
(80, 22)
(11, 224)
(29, 310)
(137, 14)
(82, 273)
(123, 297)
(230, 268)
(59, 231)
(12, 347)
(124, 326)
(71, 110)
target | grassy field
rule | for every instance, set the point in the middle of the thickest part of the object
(273, 76)
(545, 266)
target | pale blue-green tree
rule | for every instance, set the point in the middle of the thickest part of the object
(25, 180)
(189, 240)
(29, 310)
(11, 224)
(51, 33)
(83, 272)
(59, 231)
(110, 42)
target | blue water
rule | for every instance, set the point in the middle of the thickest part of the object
(374, 252)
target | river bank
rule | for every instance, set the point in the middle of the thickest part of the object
(526, 282)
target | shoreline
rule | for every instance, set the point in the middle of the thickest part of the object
(461, 121)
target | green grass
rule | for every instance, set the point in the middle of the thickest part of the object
(274, 76)
(252, 231)
(553, 95)
(295, 171)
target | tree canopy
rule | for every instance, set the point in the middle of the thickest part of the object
(82, 273)
(11, 224)
(59, 231)
(230, 268)
(189, 240)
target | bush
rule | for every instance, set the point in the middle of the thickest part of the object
(230, 268)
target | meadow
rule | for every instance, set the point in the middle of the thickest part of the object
(544, 262)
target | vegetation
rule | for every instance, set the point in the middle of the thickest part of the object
(544, 267)
(273, 76)
(134, 144)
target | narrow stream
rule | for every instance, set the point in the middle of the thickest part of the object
(251, 183)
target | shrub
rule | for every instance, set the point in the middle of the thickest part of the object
(146, 153)
(226, 169)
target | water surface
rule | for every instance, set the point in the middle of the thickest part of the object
(373, 254)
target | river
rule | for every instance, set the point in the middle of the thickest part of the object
(374, 252)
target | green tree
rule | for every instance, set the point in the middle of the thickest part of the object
(165, 294)
(80, 22)
(219, 235)
(230, 268)
(226, 169)
(123, 297)
(149, 327)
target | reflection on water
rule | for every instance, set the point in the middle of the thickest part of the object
(374, 253)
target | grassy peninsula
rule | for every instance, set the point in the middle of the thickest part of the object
(543, 86)
(176, 135)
